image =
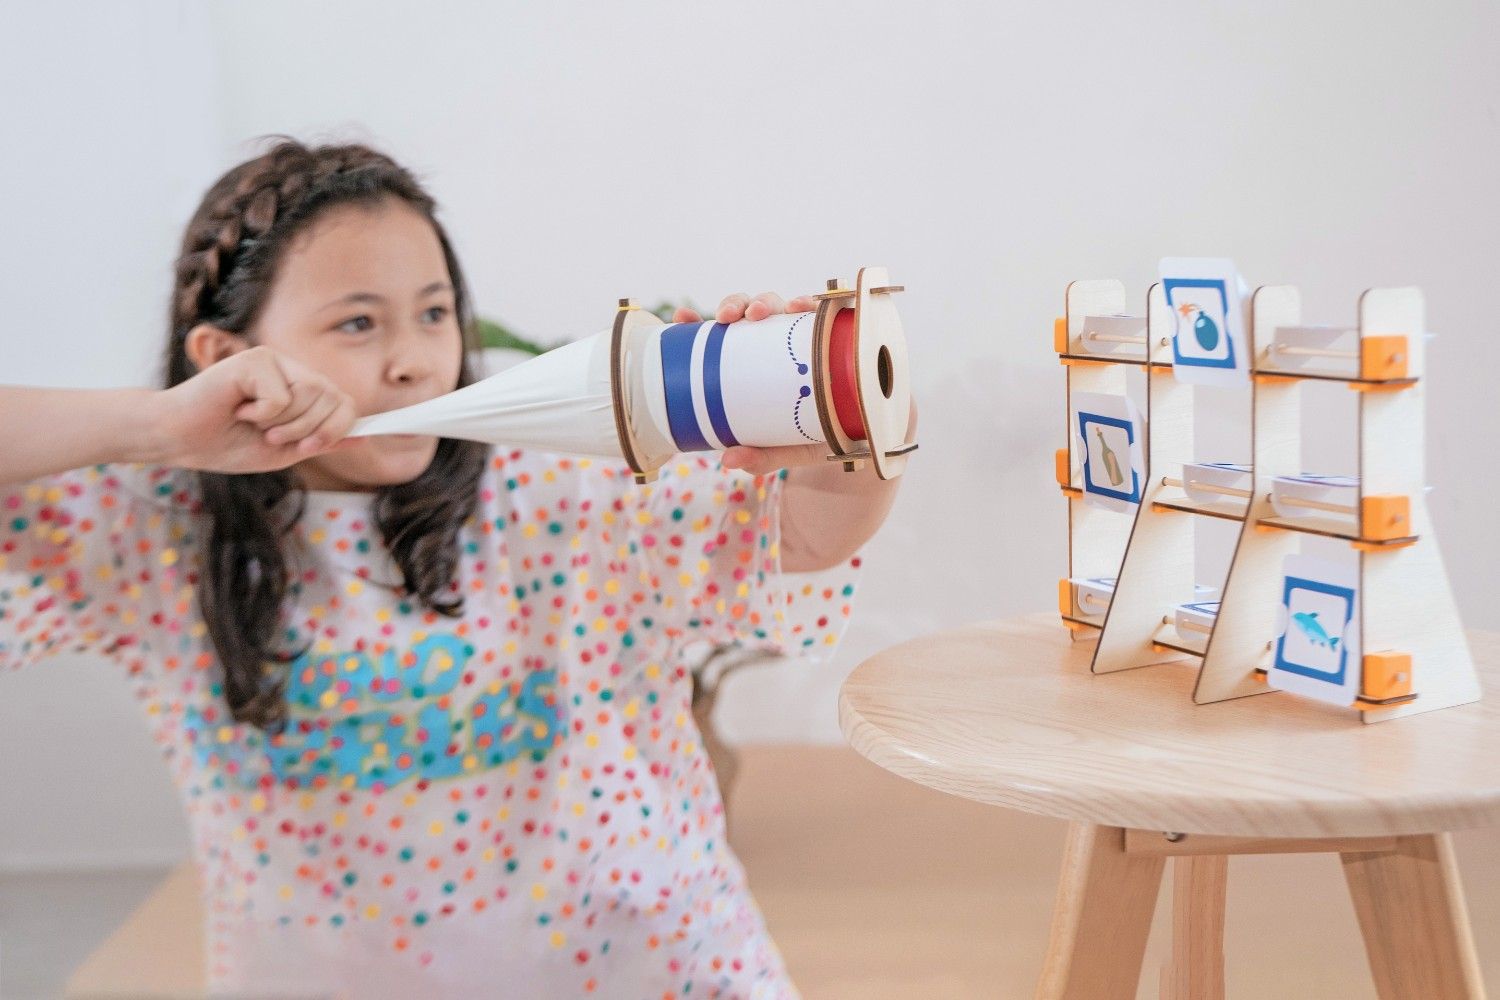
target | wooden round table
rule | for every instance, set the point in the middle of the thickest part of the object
(1008, 713)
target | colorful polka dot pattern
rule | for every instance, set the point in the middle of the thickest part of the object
(512, 802)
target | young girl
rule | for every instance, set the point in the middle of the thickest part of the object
(426, 701)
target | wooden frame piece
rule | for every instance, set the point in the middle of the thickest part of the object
(1407, 603)
(830, 304)
(1237, 653)
(1156, 571)
(627, 345)
(1096, 537)
(881, 362)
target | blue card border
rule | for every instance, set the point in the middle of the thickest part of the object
(1291, 583)
(1089, 486)
(1168, 286)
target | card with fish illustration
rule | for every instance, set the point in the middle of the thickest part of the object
(1318, 650)
(1210, 316)
(1108, 432)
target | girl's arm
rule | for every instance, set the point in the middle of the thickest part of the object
(254, 411)
(827, 514)
(46, 431)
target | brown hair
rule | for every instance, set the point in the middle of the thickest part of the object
(223, 274)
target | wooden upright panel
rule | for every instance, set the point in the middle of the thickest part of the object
(1096, 537)
(1252, 590)
(1157, 571)
(1404, 593)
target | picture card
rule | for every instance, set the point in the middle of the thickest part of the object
(1210, 316)
(1109, 430)
(1318, 648)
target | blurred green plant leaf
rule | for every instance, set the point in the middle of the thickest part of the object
(666, 308)
(494, 334)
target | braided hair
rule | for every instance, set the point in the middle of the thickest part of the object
(223, 275)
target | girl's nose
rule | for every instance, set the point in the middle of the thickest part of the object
(411, 357)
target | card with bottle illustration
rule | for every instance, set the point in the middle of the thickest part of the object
(1109, 436)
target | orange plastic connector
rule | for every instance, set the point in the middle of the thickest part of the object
(1060, 334)
(1386, 676)
(1392, 546)
(1267, 379)
(1385, 516)
(1062, 468)
(1065, 596)
(1382, 357)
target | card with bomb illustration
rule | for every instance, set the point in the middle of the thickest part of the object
(1210, 310)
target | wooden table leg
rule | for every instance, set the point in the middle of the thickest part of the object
(1196, 969)
(1411, 911)
(1102, 919)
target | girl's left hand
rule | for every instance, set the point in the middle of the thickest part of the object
(759, 461)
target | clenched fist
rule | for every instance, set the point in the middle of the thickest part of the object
(253, 411)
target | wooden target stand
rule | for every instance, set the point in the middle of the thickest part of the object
(882, 380)
(1414, 655)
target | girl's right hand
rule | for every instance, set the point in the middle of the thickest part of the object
(254, 411)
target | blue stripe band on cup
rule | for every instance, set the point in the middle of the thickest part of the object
(677, 378)
(713, 385)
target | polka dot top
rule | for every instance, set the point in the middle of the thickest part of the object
(512, 802)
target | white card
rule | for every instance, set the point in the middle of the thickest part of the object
(1210, 315)
(1107, 432)
(1317, 653)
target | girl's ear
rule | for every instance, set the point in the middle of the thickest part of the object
(207, 344)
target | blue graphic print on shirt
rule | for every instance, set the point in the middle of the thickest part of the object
(345, 724)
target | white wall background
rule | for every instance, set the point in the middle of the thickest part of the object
(111, 129)
(987, 153)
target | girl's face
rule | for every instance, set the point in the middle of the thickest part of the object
(364, 297)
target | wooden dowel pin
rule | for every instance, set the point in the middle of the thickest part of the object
(1336, 508)
(1228, 491)
(1312, 352)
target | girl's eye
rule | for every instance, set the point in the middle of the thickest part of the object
(436, 314)
(353, 325)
